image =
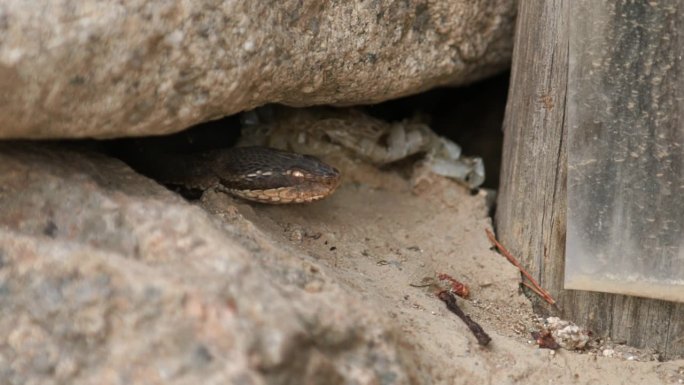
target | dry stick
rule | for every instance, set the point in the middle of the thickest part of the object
(539, 290)
(532, 288)
(450, 300)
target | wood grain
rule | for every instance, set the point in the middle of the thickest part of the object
(531, 212)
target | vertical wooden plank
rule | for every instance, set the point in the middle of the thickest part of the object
(531, 212)
(675, 333)
(530, 220)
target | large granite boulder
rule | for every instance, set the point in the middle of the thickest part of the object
(86, 68)
(108, 278)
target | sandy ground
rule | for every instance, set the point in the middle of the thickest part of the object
(377, 236)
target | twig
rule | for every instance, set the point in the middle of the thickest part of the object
(419, 286)
(450, 301)
(537, 288)
(532, 288)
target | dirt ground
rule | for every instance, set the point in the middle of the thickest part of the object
(380, 234)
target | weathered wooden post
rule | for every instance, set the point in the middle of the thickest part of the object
(531, 213)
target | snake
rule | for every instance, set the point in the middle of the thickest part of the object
(255, 173)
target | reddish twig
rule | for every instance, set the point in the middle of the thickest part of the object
(537, 288)
(450, 300)
(532, 288)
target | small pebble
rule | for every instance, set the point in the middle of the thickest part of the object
(296, 235)
(314, 286)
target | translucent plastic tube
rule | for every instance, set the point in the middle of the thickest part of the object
(625, 116)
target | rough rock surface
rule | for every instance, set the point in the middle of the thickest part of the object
(108, 278)
(75, 68)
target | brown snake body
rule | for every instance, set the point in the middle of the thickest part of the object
(258, 174)
(268, 175)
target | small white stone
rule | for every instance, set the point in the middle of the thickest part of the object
(174, 38)
(249, 46)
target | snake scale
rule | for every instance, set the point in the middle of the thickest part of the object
(258, 174)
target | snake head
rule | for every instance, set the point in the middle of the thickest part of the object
(274, 176)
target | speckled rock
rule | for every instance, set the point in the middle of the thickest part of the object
(85, 68)
(108, 278)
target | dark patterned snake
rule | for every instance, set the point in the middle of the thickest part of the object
(268, 175)
(258, 174)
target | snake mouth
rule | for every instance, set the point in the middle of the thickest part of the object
(293, 185)
(299, 193)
